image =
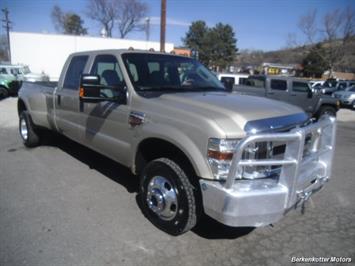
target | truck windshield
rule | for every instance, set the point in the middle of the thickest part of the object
(168, 73)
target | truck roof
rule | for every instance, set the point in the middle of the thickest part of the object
(121, 51)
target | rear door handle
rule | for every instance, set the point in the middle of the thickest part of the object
(270, 93)
(293, 94)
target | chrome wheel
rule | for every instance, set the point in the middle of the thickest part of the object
(23, 129)
(162, 198)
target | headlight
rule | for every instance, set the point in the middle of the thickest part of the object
(220, 155)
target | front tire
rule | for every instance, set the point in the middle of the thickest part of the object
(167, 197)
(327, 110)
(27, 130)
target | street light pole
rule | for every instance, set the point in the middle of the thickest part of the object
(162, 25)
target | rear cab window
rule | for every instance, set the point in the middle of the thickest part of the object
(74, 71)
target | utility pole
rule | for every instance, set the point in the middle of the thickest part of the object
(147, 28)
(162, 25)
(7, 27)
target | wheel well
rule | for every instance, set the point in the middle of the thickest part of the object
(154, 148)
(21, 106)
(327, 106)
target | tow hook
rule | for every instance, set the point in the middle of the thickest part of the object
(304, 197)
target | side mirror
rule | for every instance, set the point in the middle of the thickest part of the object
(91, 90)
(89, 87)
(309, 93)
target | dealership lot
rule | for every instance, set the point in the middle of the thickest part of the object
(62, 204)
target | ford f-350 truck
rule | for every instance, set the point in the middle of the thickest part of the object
(243, 160)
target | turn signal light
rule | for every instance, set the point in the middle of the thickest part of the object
(218, 155)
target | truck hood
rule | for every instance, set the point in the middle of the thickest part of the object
(232, 112)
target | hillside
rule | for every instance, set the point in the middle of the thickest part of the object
(295, 56)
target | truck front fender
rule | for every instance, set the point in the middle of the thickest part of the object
(180, 140)
(330, 101)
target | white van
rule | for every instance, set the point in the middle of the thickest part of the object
(230, 79)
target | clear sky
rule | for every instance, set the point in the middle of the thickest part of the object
(258, 24)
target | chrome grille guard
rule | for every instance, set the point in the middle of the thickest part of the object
(294, 160)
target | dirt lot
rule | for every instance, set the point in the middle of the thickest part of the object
(62, 204)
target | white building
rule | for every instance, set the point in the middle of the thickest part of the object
(47, 52)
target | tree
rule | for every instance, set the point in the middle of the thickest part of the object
(221, 45)
(313, 64)
(67, 23)
(216, 46)
(195, 38)
(336, 31)
(127, 14)
(104, 12)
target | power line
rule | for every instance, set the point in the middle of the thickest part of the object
(7, 26)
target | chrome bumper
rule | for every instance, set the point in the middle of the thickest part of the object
(239, 202)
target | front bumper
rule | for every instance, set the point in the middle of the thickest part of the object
(238, 202)
(346, 102)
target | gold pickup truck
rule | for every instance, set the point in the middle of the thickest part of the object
(243, 160)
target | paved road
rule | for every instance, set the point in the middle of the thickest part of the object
(66, 205)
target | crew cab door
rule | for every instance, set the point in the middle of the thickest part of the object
(105, 122)
(301, 95)
(67, 98)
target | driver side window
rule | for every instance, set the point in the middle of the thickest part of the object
(107, 68)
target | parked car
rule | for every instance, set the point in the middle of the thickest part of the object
(24, 73)
(230, 79)
(316, 83)
(346, 96)
(196, 147)
(292, 90)
(332, 85)
(9, 85)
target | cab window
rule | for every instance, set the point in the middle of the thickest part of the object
(300, 87)
(107, 68)
(255, 82)
(277, 84)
